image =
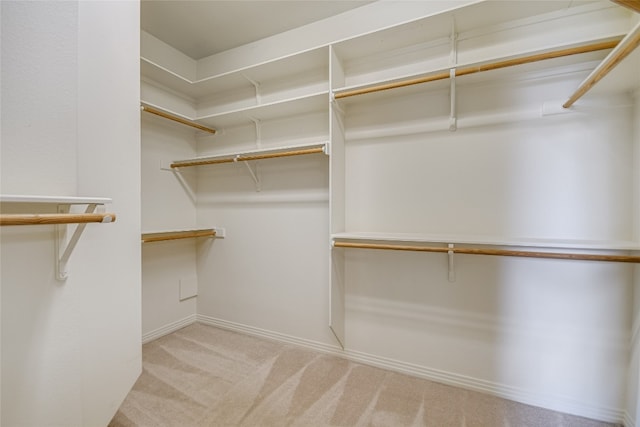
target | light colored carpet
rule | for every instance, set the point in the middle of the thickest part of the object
(205, 376)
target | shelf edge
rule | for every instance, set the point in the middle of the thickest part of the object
(68, 200)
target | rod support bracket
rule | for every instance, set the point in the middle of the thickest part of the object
(453, 120)
(258, 126)
(64, 245)
(177, 172)
(254, 173)
(452, 271)
(256, 86)
(335, 104)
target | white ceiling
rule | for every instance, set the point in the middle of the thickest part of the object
(205, 27)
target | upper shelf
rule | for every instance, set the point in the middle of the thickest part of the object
(290, 107)
(556, 58)
(423, 49)
(474, 20)
(473, 34)
(291, 65)
(61, 200)
(469, 21)
(316, 102)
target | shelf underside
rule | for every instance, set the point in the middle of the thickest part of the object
(233, 80)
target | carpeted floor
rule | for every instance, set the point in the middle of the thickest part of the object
(205, 376)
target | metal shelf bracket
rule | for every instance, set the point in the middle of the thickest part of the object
(258, 125)
(452, 271)
(256, 85)
(254, 173)
(65, 245)
(453, 120)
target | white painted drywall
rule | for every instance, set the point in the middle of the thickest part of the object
(50, 133)
(0, 187)
(270, 271)
(633, 376)
(517, 326)
(167, 204)
(70, 350)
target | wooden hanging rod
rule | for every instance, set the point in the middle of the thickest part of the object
(621, 51)
(37, 219)
(176, 119)
(483, 67)
(241, 158)
(630, 4)
(496, 252)
(189, 234)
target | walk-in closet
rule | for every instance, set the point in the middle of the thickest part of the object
(397, 200)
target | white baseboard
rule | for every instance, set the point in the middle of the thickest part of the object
(556, 403)
(250, 330)
(167, 329)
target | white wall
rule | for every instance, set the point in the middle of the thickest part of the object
(0, 186)
(633, 376)
(519, 327)
(70, 350)
(24, 110)
(168, 203)
(270, 272)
